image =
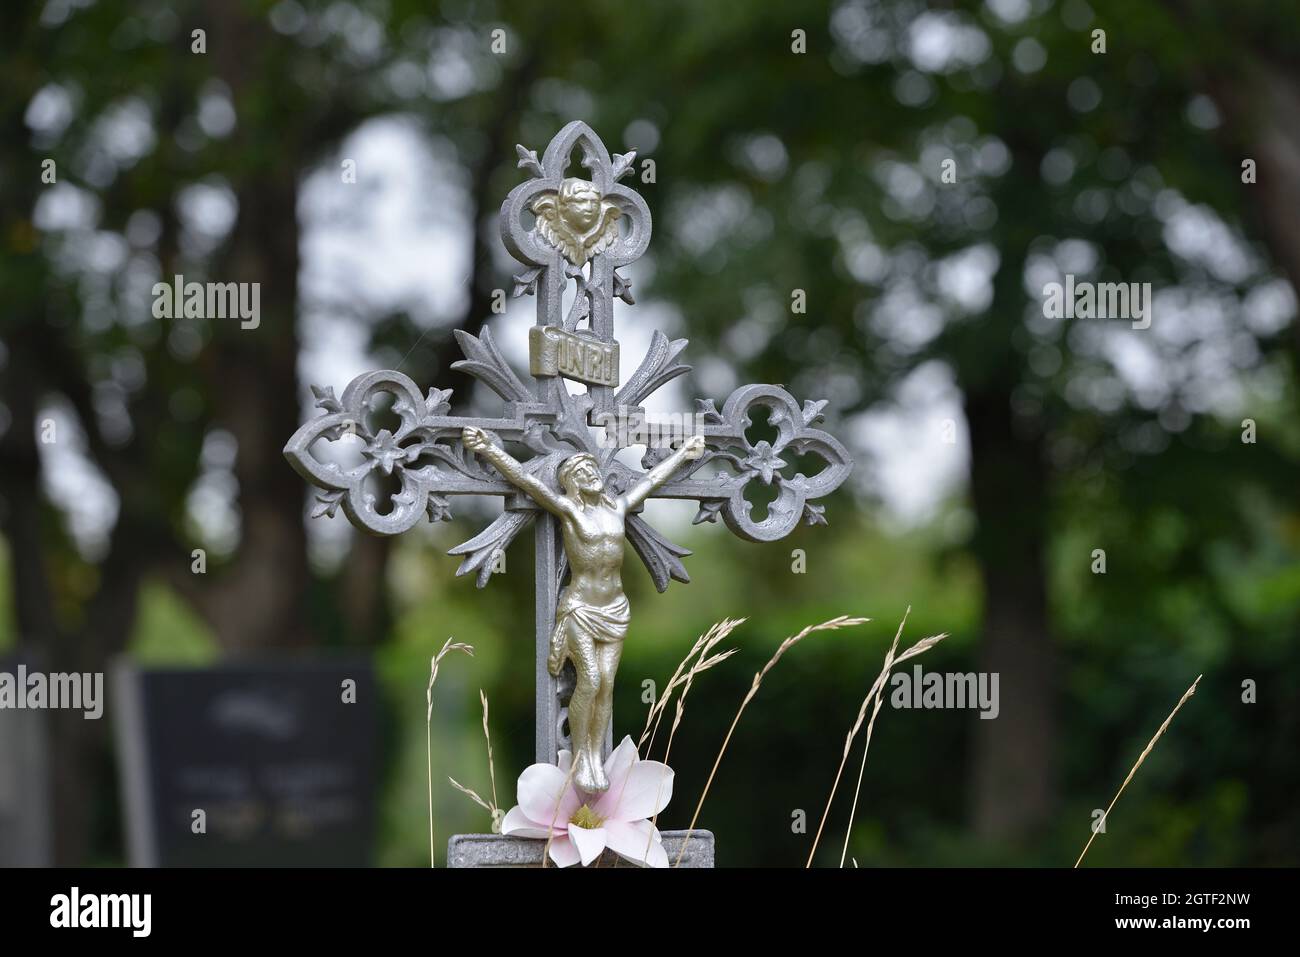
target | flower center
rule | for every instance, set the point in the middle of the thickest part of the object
(586, 818)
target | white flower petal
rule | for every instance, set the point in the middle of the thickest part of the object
(620, 762)
(636, 841)
(563, 853)
(588, 842)
(645, 791)
(543, 796)
(517, 824)
(658, 856)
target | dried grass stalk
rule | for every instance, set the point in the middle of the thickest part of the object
(876, 692)
(701, 665)
(490, 806)
(919, 648)
(703, 645)
(698, 668)
(470, 793)
(1141, 757)
(841, 621)
(874, 695)
(492, 771)
(434, 663)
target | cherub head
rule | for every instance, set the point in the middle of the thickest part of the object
(579, 476)
(579, 204)
(577, 220)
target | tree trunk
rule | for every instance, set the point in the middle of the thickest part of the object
(1011, 774)
(260, 599)
(1261, 103)
(1010, 785)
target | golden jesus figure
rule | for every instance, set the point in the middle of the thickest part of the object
(591, 615)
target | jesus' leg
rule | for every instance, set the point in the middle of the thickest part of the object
(608, 654)
(588, 772)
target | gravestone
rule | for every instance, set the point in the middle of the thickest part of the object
(282, 768)
(26, 836)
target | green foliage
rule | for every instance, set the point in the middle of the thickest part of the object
(169, 634)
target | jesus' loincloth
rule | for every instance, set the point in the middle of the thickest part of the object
(600, 623)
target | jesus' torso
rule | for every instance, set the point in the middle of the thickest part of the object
(593, 541)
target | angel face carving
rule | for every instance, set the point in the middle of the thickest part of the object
(579, 204)
(577, 220)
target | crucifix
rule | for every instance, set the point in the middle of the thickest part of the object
(572, 234)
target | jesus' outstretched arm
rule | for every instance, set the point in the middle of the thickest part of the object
(662, 472)
(477, 441)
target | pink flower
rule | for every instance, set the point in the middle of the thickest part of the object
(580, 826)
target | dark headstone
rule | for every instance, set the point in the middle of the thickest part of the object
(25, 832)
(282, 767)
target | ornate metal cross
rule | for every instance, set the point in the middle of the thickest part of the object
(581, 231)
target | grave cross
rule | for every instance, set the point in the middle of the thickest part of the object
(579, 231)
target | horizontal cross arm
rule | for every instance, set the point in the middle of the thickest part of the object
(733, 460)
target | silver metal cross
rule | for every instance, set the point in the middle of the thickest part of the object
(566, 230)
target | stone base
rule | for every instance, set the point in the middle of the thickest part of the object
(498, 850)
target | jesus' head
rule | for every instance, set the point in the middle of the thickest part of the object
(579, 476)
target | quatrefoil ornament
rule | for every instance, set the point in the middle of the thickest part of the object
(763, 461)
(388, 453)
